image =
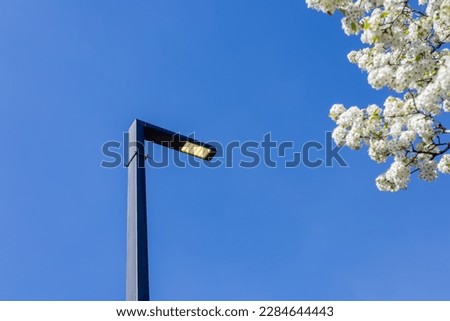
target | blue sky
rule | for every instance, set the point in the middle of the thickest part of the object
(74, 75)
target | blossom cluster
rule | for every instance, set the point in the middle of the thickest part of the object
(406, 51)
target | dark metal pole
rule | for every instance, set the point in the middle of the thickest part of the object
(137, 282)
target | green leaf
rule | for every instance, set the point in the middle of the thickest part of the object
(366, 25)
(373, 118)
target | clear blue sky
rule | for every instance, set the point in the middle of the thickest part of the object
(74, 75)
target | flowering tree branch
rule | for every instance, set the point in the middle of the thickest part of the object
(405, 51)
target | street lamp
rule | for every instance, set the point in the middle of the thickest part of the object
(137, 281)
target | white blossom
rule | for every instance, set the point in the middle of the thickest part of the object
(395, 178)
(378, 150)
(336, 110)
(422, 125)
(428, 170)
(339, 135)
(444, 164)
(353, 139)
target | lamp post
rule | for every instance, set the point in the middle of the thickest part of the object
(137, 280)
